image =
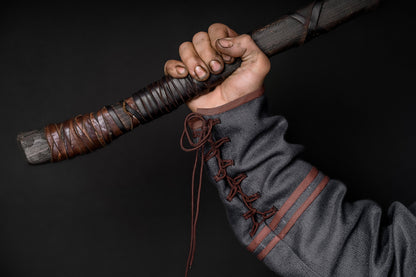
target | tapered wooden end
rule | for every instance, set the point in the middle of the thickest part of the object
(35, 146)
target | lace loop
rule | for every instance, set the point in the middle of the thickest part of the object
(202, 134)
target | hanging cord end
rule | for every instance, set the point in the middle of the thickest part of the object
(197, 132)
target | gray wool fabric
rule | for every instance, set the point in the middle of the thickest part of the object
(328, 236)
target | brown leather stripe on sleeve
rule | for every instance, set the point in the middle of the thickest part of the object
(283, 210)
(259, 238)
(292, 199)
(294, 218)
(268, 248)
(233, 104)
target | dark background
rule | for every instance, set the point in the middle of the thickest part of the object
(124, 210)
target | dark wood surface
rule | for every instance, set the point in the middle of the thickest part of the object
(272, 39)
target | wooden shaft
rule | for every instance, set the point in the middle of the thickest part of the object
(86, 133)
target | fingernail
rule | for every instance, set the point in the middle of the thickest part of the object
(226, 58)
(225, 42)
(180, 69)
(200, 72)
(215, 66)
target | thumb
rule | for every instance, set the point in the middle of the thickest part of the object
(244, 47)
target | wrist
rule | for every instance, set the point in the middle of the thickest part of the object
(232, 104)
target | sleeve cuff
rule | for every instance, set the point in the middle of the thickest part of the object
(233, 104)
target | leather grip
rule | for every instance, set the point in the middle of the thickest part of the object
(85, 133)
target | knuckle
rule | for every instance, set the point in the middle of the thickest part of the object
(199, 37)
(184, 46)
(246, 39)
(165, 67)
(168, 67)
(215, 27)
(168, 63)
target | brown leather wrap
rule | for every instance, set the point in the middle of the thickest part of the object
(85, 133)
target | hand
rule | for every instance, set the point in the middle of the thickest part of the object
(206, 55)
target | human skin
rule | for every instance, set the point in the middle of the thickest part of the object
(206, 55)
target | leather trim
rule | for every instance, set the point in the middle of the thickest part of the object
(295, 195)
(283, 210)
(233, 104)
(293, 219)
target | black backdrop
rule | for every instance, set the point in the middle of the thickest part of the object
(124, 210)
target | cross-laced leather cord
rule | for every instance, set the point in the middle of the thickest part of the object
(198, 133)
(201, 136)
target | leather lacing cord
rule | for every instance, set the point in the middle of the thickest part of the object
(207, 148)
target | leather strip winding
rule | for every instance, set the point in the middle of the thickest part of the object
(86, 133)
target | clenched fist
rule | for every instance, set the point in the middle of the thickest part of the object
(206, 55)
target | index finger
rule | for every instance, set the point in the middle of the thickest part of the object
(217, 31)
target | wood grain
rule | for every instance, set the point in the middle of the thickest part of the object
(167, 94)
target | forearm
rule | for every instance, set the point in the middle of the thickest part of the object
(308, 228)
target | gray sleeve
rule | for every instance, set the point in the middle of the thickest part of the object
(292, 216)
